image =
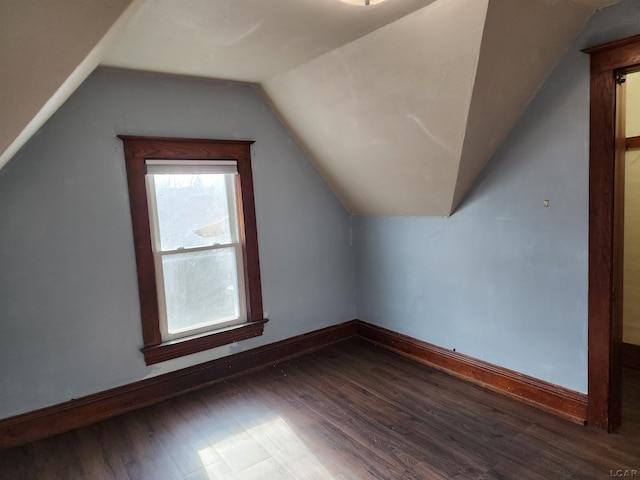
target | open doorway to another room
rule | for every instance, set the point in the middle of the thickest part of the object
(630, 344)
(631, 263)
(610, 62)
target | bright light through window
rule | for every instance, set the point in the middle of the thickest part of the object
(197, 250)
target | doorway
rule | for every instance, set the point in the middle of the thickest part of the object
(631, 301)
(606, 234)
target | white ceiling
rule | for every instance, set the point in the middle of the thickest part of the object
(399, 104)
(244, 40)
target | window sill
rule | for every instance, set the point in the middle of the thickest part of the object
(198, 343)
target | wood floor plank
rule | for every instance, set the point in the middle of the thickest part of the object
(338, 453)
(352, 411)
(475, 432)
(415, 409)
(352, 437)
(188, 449)
(410, 428)
(134, 440)
(92, 458)
(455, 392)
(53, 459)
(277, 437)
(217, 470)
(384, 444)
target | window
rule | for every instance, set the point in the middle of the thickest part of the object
(196, 243)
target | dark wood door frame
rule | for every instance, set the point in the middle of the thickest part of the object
(605, 328)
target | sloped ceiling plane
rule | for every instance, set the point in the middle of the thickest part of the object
(399, 104)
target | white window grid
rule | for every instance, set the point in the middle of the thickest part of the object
(228, 168)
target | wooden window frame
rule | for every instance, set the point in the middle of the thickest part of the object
(137, 149)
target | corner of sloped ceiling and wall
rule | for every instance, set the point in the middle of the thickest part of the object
(401, 121)
(522, 43)
(383, 117)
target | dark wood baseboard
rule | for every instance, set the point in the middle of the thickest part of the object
(80, 412)
(631, 356)
(543, 395)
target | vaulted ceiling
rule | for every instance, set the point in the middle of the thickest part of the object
(399, 104)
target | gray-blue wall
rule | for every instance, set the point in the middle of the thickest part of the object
(69, 309)
(505, 278)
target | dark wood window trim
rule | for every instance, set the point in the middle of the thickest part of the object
(137, 150)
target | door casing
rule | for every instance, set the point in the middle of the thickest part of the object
(604, 404)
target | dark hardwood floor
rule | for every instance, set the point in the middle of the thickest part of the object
(351, 411)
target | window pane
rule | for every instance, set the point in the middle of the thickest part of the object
(200, 288)
(193, 210)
